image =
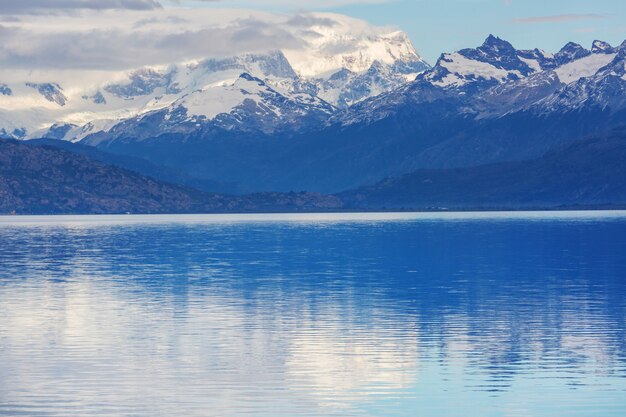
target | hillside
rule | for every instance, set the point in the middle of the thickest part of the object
(590, 172)
(48, 180)
(139, 165)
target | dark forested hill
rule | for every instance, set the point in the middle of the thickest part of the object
(48, 180)
(139, 165)
(587, 173)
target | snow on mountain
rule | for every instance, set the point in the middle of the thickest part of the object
(253, 106)
(345, 88)
(601, 47)
(495, 61)
(336, 42)
(604, 89)
(206, 86)
(592, 80)
(495, 79)
(514, 96)
(584, 67)
(498, 62)
(347, 61)
(462, 70)
(340, 61)
(347, 73)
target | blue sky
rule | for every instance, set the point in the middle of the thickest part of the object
(437, 26)
(122, 34)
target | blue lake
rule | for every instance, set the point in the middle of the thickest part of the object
(476, 314)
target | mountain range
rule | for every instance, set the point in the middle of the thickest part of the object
(476, 106)
(280, 90)
(42, 177)
(341, 124)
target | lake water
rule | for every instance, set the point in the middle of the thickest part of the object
(475, 314)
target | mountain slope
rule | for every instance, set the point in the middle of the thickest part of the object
(477, 106)
(590, 172)
(484, 105)
(334, 61)
(47, 180)
(138, 165)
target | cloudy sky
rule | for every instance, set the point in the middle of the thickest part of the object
(118, 33)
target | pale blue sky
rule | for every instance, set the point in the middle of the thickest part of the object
(438, 26)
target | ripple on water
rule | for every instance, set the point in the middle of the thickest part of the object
(376, 315)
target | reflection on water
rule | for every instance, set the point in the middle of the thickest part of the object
(407, 315)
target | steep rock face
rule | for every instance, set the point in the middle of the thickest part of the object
(601, 47)
(51, 92)
(570, 52)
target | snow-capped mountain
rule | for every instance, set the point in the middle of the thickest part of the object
(344, 61)
(496, 79)
(495, 62)
(196, 91)
(343, 67)
(491, 103)
(498, 62)
(603, 89)
(254, 106)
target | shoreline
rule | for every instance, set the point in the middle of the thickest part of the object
(349, 210)
(318, 217)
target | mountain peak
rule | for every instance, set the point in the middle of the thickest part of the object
(247, 77)
(570, 52)
(498, 53)
(572, 48)
(338, 47)
(495, 46)
(495, 41)
(601, 47)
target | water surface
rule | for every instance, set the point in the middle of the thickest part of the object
(436, 314)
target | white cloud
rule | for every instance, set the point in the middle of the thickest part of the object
(118, 40)
(29, 6)
(125, 39)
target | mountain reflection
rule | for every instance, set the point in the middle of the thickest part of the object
(313, 319)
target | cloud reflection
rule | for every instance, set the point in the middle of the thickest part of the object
(308, 319)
